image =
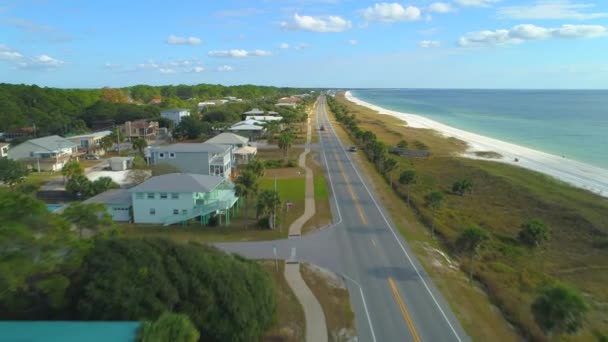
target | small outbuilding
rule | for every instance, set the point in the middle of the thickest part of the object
(244, 154)
(121, 163)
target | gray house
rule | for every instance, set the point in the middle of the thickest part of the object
(117, 202)
(45, 154)
(197, 158)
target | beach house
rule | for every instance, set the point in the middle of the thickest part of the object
(146, 129)
(199, 158)
(253, 112)
(178, 197)
(235, 142)
(176, 114)
(89, 142)
(45, 154)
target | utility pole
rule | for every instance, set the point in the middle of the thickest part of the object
(274, 206)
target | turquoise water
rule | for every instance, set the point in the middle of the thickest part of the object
(68, 331)
(570, 123)
(53, 207)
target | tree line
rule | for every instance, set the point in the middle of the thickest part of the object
(73, 111)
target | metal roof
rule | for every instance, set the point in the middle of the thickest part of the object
(114, 196)
(179, 182)
(91, 135)
(52, 143)
(254, 111)
(191, 148)
(246, 128)
(228, 138)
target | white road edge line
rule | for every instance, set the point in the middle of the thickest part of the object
(394, 234)
(331, 184)
(369, 320)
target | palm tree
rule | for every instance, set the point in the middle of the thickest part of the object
(285, 140)
(267, 205)
(388, 166)
(139, 144)
(71, 169)
(434, 200)
(407, 178)
(246, 185)
(471, 240)
(256, 166)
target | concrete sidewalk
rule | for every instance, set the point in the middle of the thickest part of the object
(295, 229)
(316, 328)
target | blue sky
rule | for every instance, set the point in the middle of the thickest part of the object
(308, 43)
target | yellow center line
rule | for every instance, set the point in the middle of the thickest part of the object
(406, 315)
(350, 189)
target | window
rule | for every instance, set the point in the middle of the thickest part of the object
(184, 211)
(163, 195)
(175, 211)
(150, 195)
(174, 195)
(152, 211)
(161, 155)
(139, 195)
(171, 154)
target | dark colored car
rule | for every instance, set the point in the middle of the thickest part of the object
(322, 128)
(91, 157)
(352, 149)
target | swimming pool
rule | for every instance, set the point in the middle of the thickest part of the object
(53, 207)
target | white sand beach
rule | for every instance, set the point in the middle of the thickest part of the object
(579, 174)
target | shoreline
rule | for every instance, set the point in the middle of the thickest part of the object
(578, 174)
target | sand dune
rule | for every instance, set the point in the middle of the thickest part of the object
(579, 174)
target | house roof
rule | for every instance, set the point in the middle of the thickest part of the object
(91, 135)
(246, 128)
(179, 182)
(248, 122)
(52, 143)
(142, 123)
(264, 118)
(121, 159)
(246, 150)
(228, 139)
(192, 148)
(114, 196)
(254, 111)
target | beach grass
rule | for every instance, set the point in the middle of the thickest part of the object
(508, 275)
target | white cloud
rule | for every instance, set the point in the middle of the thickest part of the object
(429, 44)
(8, 54)
(166, 70)
(14, 57)
(521, 33)
(237, 53)
(330, 23)
(198, 69)
(170, 67)
(353, 42)
(175, 40)
(551, 9)
(440, 7)
(284, 46)
(390, 12)
(476, 3)
(225, 68)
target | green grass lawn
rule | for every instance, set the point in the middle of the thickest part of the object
(290, 189)
(40, 178)
(503, 197)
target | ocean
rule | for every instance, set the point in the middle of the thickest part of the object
(569, 123)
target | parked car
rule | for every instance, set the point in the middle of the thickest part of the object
(352, 149)
(322, 128)
(91, 157)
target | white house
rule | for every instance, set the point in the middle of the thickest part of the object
(45, 154)
(121, 163)
(235, 142)
(89, 141)
(175, 114)
(178, 197)
(117, 202)
(199, 158)
(4, 150)
(264, 118)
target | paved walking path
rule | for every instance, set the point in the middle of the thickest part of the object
(316, 327)
(295, 229)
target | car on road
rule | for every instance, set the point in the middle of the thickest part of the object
(91, 157)
(352, 149)
(322, 128)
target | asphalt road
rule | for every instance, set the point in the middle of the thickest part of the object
(392, 296)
